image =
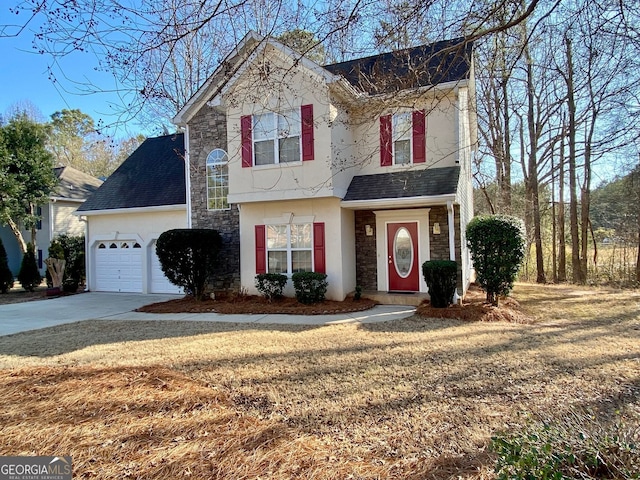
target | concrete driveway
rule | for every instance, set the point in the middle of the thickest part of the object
(22, 317)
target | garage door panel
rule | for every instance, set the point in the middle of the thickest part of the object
(118, 267)
(159, 282)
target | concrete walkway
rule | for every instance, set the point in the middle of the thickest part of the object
(22, 317)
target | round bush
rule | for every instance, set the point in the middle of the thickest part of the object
(441, 277)
(497, 244)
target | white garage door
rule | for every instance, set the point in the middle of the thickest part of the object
(118, 266)
(160, 283)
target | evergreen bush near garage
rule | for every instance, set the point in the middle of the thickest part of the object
(74, 254)
(441, 277)
(310, 287)
(271, 285)
(497, 244)
(6, 277)
(29, 275)
(189, 258)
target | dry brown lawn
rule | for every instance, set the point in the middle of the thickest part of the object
(412, 399)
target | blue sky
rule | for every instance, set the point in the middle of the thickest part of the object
(24, 76)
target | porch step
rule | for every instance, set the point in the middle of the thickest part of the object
(386, 298)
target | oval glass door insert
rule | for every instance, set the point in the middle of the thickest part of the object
(403, 252)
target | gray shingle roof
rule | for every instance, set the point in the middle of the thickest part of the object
(152, 176)
(423, 66)
(74, 184)
(411, 183)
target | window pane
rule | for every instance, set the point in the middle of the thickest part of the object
(402, 126)
(263, 126)
(289, 149)
(402, 152)
(264, 152)
(277, 262)
(276, 236)
(301, 261)
(289, 123)
(301, 236)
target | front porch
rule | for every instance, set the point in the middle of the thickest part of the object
(393, 298)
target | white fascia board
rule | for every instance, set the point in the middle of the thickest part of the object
(414, 92)
(64, 199)
(116, 211)
(408, 202)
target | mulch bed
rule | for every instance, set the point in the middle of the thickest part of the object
(254, 304)
(474, 308)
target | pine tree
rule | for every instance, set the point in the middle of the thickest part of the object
(29, 276)
(6, 277)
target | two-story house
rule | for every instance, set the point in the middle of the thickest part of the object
(360, 170)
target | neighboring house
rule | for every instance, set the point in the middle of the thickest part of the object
(144, 197)
(360, 170)
(56, 217)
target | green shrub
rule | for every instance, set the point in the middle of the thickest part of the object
(357, 295)
(441, 277)
(310, 287)
(29, 275)
(580, 446)
(271, 285)
(189, 258)
(6, 277)
(74, 254)
(497, 244)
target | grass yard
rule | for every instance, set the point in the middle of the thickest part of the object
(413, 399)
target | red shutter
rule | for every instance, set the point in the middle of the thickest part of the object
(247, 144)
(306, 115)
(261, 249)
(319, 263)
(419, 134)
(386, 158)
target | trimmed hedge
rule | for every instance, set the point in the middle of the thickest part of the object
(441, 277)
(271, 285)
(189, 258)
(497, 244)
(310, 287)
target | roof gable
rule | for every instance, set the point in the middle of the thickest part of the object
(152, 176)
(74, 184)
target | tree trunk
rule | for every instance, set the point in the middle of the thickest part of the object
(578, 276)
(18, 234)
(562, 247)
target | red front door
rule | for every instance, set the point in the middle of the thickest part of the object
(402, 255)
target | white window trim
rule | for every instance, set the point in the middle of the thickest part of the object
(207, 178)
(395, 137)
(289, 249)
(276, 138)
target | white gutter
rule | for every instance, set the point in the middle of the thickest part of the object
(399, 202)
(114, 211)
(187, 173)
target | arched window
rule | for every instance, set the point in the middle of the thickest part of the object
(217, 180)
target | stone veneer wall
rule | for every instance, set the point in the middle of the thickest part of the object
(366, 260)
(208, 131)
(440, 243)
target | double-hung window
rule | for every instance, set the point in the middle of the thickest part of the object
(276, 137)
(271, 138)
(289, 248)
(402, 138)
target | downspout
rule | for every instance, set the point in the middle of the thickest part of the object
(187, 173)
(88, 260)
(452, 241)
